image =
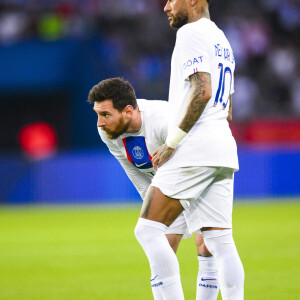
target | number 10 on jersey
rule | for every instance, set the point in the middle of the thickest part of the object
(224, 86)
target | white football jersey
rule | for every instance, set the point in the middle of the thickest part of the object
(202, 47)
(134, 150)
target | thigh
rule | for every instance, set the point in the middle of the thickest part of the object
(160, 208)
(184, 183)
(179, 226)
(174, 240)
(214, 207)
(200, 245)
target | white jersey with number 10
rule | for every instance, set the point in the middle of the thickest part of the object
(202, 47)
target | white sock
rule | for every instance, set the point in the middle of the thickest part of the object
(231, 275)
(164, 265)
(157, 293)
(207, 281)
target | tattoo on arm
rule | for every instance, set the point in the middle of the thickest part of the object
(229, 117)
(230, 103)
(200, 95)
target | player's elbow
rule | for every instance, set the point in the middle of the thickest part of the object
(229, 118)
(204, 98)
(207, 95)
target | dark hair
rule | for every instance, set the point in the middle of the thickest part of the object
(116, 89)
(208, 1)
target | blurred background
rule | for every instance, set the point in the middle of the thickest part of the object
(53, 52)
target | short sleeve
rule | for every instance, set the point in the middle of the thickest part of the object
(192, 51)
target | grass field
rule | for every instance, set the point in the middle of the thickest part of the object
(91, 253)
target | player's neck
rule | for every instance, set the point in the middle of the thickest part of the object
(136, 122)
(198, 14)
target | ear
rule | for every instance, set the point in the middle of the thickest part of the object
(193, 2)
(128, 111)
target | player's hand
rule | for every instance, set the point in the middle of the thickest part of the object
(229, 117)
(161, 155)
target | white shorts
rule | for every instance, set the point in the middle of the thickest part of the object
(206, 194)
(179, 226)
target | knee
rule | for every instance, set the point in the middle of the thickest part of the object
(219, 242)
(138, 231)
(201, 247)
(147, 231)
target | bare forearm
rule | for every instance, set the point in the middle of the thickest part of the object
(229, 118)
(192, 114)
(200, 95)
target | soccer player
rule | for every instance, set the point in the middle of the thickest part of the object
(132, 129)
(196, 165)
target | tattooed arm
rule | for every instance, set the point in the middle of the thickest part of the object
(229, 117)
(200, 95)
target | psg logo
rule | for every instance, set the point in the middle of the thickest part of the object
(138, 152)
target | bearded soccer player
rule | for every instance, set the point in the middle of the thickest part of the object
(196, 165)
(132, 129)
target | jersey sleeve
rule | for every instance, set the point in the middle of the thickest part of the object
(192, 51)
(140, 180)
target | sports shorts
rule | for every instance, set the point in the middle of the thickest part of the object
(206, 194)
(179, 226)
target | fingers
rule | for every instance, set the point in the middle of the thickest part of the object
(155, 159)
(160, 156)
(155, 152)
(154, 164)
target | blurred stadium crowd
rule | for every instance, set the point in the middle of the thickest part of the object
(53, 52)
(138, 41)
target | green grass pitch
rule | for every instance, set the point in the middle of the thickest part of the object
(90, 252)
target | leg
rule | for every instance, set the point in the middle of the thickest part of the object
(200, 245)
(230, 269)
(207, 280)
(158, 212)
(213, 209)
(160, 208)
(174, 240)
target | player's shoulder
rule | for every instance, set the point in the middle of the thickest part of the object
(152, 106)
(199, 27)
(198, 32)
(155, 115)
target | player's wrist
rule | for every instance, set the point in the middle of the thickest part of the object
(174, 137)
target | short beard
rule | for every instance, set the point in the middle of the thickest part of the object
(120, 129)
(180, 20)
